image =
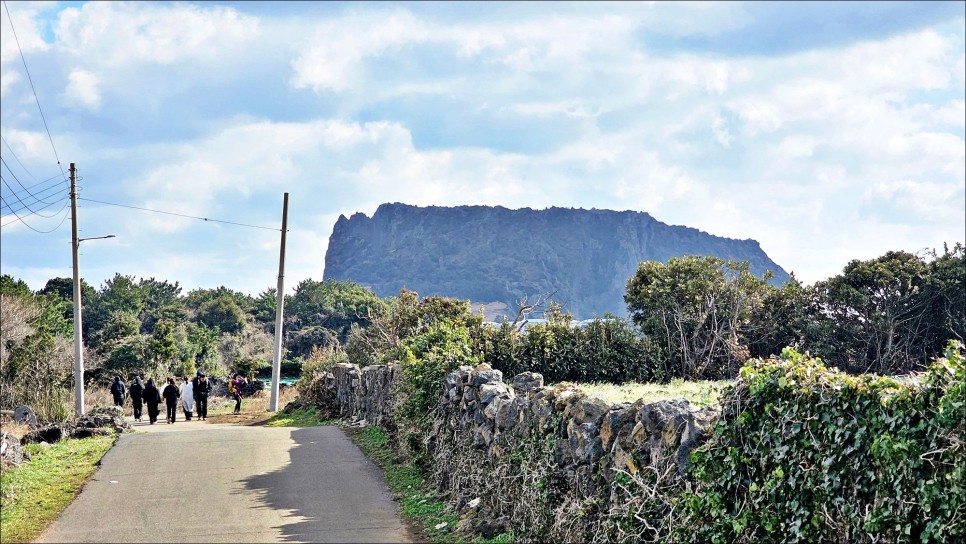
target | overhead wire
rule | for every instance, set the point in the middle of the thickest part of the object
(33, 90)
(31, 195)
(46, 193)
(17, 158)
(32, 211)
(21, 219)
(180, 214)
(43, 191)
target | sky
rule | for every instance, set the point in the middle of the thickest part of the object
(826, 131)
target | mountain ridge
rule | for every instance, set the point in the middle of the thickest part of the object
(495, 256)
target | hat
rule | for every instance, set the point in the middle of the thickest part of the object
(200, 373)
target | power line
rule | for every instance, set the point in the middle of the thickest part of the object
(17, 158)
(27, 207)
(33, 191)
(180, 214)
(24, 59)
(34, 212)
(55, 177)
(21, 219)
(19, 183)
(39, 193)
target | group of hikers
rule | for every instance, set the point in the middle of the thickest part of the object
(192, 395)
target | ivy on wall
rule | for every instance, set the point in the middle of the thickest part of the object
(802, 453)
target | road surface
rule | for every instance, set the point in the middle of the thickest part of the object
(203, 482)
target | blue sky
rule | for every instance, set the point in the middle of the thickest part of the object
(827, 131)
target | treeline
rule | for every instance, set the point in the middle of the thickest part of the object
(702, 318)
(692, 317)
(149, 327)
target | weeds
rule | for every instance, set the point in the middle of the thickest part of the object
(37, 491)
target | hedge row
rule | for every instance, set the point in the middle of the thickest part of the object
(802, 453)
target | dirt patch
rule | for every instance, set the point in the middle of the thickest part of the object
(244, 418)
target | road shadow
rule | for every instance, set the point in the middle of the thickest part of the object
(330, 492)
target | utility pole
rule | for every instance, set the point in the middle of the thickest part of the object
(78, 340)
(279, 310)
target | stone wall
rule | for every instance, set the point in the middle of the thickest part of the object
(365, 396)
(558, 463)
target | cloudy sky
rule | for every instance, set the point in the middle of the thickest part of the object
(826, 131)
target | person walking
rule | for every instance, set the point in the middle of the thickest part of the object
(118, 390)
(201, 387)
(235, 389)
(137, 396)
(152, 397)
(187, 398)
(171, 395)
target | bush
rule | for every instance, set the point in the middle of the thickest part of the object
(606, 350)
(311, 386)
(804, 454)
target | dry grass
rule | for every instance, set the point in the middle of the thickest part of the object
(98, 396)
(700, 393)
(254, 409)
(16, 430)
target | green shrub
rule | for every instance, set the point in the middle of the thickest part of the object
(606, 350)
(321, 360)
(805, 454)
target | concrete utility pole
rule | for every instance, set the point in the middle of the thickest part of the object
(78, 341)
(279, 311)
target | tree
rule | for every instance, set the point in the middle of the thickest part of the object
(130, 357)
(698, 307)
(162, 300)
(870, 317)
(14, 287)
(780, 320)
(264, 307)
(162, 348)
(205, 343)
(64, 288)
(889, 314)
(35, 363)
(120, 293)
(944, 299)
(322, 312)
(196, 298)
(119, 327)
(222, 312)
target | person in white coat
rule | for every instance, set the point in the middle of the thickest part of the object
(187, 398)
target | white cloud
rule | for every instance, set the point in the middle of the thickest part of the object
(817, 154)
(83, 89)
(28, 28)
(110, 34)
(923, 200)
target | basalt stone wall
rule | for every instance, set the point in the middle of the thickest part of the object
(560, 464)
(364, 395)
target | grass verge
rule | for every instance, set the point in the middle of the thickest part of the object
(699, 393)
(308, 417)
(38, 490)
(419, 504)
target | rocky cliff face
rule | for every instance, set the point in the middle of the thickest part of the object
(496, 256)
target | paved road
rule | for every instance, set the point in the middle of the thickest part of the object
(202, 482)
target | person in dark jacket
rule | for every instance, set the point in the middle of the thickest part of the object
(171, 396)
(201, 388)
(152, 397)
(235, 390)
(137, 395)
(117, 390)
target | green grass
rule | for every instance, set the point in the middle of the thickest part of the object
(700, 393)
(38, 490)
(419, 504)
(299, 418)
